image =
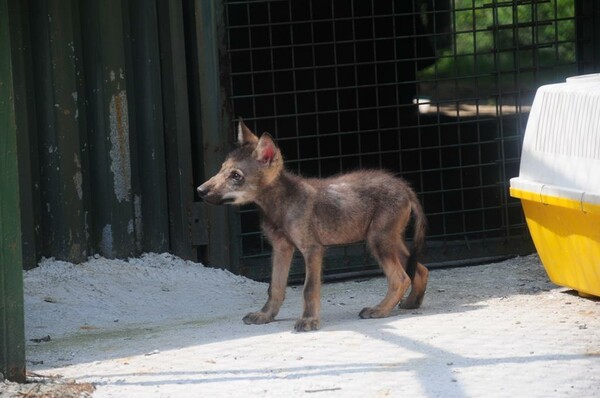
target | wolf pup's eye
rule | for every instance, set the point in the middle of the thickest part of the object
(236, 176)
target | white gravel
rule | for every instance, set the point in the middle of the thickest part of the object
(159, 326)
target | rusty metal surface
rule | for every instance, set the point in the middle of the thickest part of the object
(61, 153)
(106, 152)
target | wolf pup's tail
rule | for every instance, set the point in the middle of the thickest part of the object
(418, 244)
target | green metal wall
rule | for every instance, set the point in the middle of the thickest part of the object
(110, 116)
(107, 147)
(12, 340)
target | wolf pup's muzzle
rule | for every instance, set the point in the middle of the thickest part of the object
(214, 199)
(202, 191)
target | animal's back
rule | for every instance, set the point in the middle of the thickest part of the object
(344, 205)
(378, 186)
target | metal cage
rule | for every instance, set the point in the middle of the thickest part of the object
(436, 91)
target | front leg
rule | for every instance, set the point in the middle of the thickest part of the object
(311, 320)
(283, 251)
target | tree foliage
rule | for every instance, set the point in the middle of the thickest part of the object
(535, 41)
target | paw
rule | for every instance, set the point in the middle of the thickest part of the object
(412, 303)
(369, 312)
(257, 318)
(307, 324)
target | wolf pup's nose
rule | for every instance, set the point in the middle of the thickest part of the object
(202, 192)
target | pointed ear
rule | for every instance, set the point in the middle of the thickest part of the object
(245, 135)
(266, 149)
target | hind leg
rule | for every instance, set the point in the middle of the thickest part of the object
(419, 285)
(391, 261)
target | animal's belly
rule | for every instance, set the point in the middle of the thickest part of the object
(340, 237)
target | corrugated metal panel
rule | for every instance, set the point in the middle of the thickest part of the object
(61, 132)
(108, 147)
(178, 141)
(223, 249)
(12, 339)
(99, 116)
(149, 124)
(116, 219)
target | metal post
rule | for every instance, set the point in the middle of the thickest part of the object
(222, 246)
(60, 116)
(176, 116)
(109, 109)
(12, 335)
(149, 132)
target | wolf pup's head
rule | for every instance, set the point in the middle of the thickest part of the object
(246, 172)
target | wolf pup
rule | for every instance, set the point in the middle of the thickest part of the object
(310, 214)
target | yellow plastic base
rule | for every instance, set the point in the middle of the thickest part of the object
(566, 235)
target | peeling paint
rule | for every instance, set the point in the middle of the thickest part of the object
(106, 244)
(71, 45)
(137, 209)
(86, 215)
(78, 177)
(76, 252)
(120, 164)
(130, 227)
(75, 96)
(112, 76)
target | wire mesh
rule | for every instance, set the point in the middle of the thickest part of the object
(437, 91)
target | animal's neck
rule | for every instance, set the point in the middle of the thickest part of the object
(276, 198)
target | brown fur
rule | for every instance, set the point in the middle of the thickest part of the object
(310, 214)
